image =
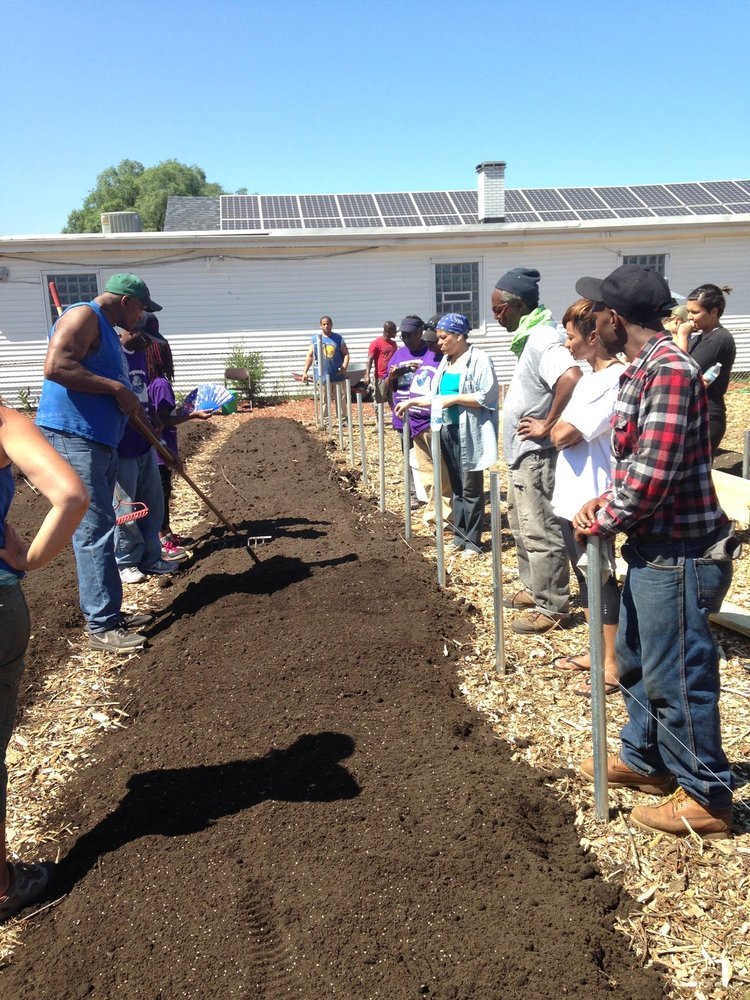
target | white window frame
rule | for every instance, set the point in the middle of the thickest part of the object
(642, 259)
(481, 328)
(47, 276)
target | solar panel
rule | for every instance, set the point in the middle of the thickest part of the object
(726, 191)
(565, 216)
(582, 198)
(633, 213)
(745, 185)
(654, 195)
(441, 220)
(433, 203)
(521, 217)
(362, 222)
(319, 206)
(739, 208)
(353, 205)
(239, 206)
(715, 209)
(691, 194)
(545, 199)
(470, 220)
(399, 204)
(594, 213)
(402, 220)
(323, 223)
(515, 201)
(275, 207)
(465, 201)
(618, 197)
(671, 210)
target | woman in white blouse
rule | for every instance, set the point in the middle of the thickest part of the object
(583, 471)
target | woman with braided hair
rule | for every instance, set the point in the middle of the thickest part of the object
(160, 366)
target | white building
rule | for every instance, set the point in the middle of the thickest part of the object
(261, 270)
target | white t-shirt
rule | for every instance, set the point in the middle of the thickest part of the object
(584, 470)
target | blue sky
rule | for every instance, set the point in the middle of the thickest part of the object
(295, 96)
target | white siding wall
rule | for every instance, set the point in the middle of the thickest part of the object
(271, 298)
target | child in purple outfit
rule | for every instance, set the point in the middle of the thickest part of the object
(161, 395)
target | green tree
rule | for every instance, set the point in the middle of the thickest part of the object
(132, 187)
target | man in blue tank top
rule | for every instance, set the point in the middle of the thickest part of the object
(85, 404)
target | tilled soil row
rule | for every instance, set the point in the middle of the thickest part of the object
(302, 805)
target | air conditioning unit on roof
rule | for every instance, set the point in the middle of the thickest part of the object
(121, 222)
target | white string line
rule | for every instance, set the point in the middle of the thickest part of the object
(669, 732)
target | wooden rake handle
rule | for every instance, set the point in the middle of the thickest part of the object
(143, 428)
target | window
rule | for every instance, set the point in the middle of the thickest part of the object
(72, 288)
(457, 290)
(656, 261)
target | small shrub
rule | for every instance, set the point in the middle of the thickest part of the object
(240, 357)
(29, 400)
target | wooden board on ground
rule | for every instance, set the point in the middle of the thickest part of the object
(733, 617)
(734, 496)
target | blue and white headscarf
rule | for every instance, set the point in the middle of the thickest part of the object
(455, 323)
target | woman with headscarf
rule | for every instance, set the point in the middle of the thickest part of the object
(466, 386)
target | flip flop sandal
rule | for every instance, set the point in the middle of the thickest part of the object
(28, 884)
(558, 660)
(585, 691)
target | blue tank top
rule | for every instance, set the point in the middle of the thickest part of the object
(87, 414)
(8, 575)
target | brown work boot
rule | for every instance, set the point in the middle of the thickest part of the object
(520, 600)
(674, 815)
(534, 623)
(619, 775)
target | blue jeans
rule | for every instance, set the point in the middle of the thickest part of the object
(468, 492)
(99, 587)
(137, 543)
(669, 667)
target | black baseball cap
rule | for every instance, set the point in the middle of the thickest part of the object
(635, 292)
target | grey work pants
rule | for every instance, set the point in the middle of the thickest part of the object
(542, 558)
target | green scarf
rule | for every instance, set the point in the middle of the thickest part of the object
(537, 317)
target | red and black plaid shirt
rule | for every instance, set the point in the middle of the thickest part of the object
(661, 477)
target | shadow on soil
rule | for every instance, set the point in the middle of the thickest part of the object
(180, 801)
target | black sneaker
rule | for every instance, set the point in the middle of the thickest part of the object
(117, 640)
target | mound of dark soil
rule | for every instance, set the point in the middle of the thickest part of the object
(303, 806)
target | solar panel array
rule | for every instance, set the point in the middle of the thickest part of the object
(455, 208)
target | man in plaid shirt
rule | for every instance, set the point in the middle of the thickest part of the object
(679, 550)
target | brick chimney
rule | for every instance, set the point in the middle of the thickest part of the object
(491, 191)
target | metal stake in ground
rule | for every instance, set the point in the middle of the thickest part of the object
(349, 424)
(596, 652)
(497, 571)
(362, 443)
(437, 492)
(381, 452)
(746, 457)
(328, 404)
(406, 439)
(339, 416)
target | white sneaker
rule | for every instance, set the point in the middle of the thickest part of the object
(131, 574)
(468, 554)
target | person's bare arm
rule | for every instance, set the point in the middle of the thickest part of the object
(564, 434)
(308, 362)
(345, 356)
(24, 444)
(533, 427)
(76, 336)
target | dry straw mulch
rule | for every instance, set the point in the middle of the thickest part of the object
(693, 917)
